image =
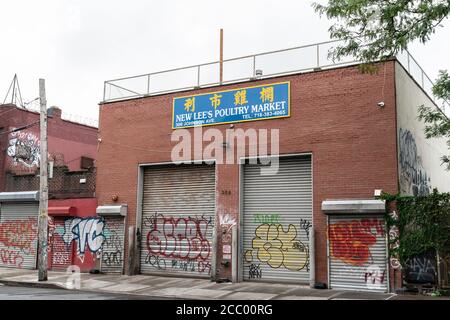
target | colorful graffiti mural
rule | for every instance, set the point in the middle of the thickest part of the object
(178, 243)
(84, 241)
(23, 149)
(87, 233)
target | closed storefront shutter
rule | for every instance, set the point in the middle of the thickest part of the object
(357, 248)
(277, 216)
(18, 235)
(113, 245)
(178, 219)
(62, 253)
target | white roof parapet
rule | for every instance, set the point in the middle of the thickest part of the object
(353, 206)
(112, 210)
(19, 196)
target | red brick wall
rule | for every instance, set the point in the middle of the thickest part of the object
(334, 115)
(67, 141)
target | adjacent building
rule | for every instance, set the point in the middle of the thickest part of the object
(72, 200)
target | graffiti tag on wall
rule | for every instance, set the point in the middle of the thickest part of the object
(277, 247)
(421, 269)
(112, 255)
(182, 240)
(24, 149)
(413, 177)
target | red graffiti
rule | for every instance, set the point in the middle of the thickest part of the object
(351, 241)
(11, 258)
(19, 233)
(182, 238)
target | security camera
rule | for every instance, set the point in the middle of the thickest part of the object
(381, 104)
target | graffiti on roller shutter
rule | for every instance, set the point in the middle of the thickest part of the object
(112, 247)
(181, 241)
(351, 242)
(17, 241)
(277, 247)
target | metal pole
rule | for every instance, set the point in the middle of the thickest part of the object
(318, 56)
(43, 188)
(198, 76)
(14, 89)
(312, 258)
(234, 256)
(409, 69)
(221, 56)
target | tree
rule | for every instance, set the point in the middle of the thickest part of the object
(373, 30)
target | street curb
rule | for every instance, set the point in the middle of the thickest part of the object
(27, 284)
(32, 284)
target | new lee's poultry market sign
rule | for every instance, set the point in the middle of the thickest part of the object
(267, 101)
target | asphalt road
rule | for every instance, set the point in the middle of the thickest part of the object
(29, 293)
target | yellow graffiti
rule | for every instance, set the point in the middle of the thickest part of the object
(248, 256)
(277, 247)
(266, 94)
(189, 105)
(215, 100)
(240, 97)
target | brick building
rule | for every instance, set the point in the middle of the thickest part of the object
(342, 137)
(72, 151)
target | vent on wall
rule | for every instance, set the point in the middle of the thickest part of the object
(86, 163)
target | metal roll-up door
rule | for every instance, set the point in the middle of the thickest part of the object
(178, 219)
(277, 217)
(18, 235)
(113, 245)
(61, 253)
(357, 249)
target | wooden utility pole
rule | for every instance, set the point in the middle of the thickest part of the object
(221, 56)
(43, 189)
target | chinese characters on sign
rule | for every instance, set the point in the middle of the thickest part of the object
(244, 104)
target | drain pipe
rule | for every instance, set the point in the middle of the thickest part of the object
(234, 252)
(312, 258)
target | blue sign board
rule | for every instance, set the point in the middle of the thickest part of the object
(267, 101)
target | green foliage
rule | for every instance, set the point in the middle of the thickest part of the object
(437, 124)
(379, 29)
(423, 224)
(373, 30)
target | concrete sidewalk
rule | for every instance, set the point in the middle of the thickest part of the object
(184, 288)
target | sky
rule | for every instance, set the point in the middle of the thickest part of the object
(75, 45)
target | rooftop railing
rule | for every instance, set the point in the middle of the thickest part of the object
(264, 65)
